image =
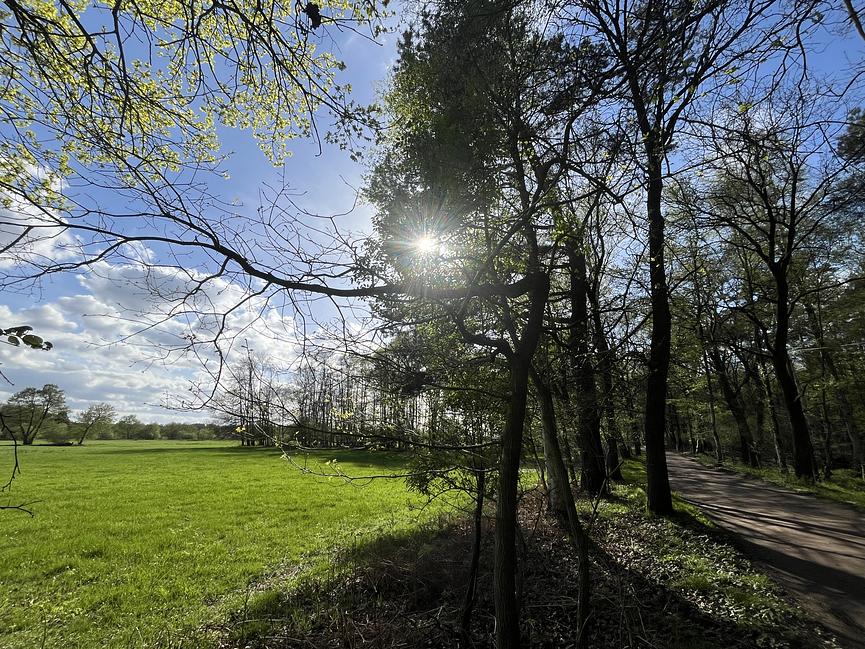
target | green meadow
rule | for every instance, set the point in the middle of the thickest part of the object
(140, 544)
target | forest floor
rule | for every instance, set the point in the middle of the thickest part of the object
(672, 583)
(814, 547)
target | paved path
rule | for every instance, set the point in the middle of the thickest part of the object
(815, 548)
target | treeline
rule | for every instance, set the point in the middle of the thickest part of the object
(330, 399)
(42, 413)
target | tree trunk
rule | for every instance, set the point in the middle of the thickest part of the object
(469, 601)
(567, 511)
(803, 451)
(659, 499)
(766, 383)
(605, 366)
(736, 406)
(614, 466)
(593, 471)
(504, 596)
(716, 438)
(504, 571)
(552, 452)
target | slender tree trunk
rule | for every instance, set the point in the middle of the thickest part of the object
(659, 499)
(716, 438)
(567, 511)
(593, 470)
(692, 442)
(827, 435)
(735, 405)
(769, 393)
(469, 601)
(605, 367)
(675, 426)
(569, 460)
(554, 487)
(505, 567)
(814, 320)
(614, 466)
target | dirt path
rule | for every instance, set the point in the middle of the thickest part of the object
(815, 548)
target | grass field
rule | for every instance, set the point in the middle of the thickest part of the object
(140, 544)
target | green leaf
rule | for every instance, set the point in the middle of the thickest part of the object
(34, 341)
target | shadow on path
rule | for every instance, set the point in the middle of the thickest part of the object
(815, 548)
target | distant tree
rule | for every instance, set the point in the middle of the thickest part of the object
(27, 411)
(96, 418)
(128, 427)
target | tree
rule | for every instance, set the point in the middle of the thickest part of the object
(129, 427)
(773, 191)
(667, 54)
(96, 419)
(27, 411)
(486, 123)
(127, 96)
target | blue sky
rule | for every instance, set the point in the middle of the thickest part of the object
(91, 317)
(88, 316)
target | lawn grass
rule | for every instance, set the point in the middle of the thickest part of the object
(845, 485)
(138, 544)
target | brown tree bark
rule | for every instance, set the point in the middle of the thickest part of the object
(505, 567)
(566, 510)
(803, 450)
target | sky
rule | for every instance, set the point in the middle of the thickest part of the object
(92, 319)
(103, 351)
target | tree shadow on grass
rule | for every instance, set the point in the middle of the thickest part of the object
(397, 590)
(407, 590)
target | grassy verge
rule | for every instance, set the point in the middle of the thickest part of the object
(141, 543)
(690, 558)
(845, 486)
(656, 582)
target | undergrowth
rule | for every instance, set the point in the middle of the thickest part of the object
(672, 583)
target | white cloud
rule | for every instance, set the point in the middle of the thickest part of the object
(112, 341)
(31, 234)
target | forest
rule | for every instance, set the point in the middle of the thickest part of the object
(600, 233)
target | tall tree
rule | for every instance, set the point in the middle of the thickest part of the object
(668, 54)
(28, 411)
(486, 122)
(774, 186)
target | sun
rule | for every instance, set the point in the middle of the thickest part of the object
(426, 245)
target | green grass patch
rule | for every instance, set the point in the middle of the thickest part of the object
(845, 485)
(144, 543)
(689, 555)
(633, 491)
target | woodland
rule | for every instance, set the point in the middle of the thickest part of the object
(600, 231)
